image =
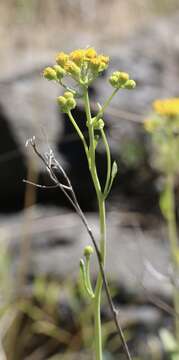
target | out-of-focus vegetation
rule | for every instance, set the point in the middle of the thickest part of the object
(163, 127)
(51, 319)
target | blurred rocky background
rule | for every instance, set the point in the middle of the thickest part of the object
(43, 234)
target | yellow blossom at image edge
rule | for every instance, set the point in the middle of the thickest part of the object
(167, 107)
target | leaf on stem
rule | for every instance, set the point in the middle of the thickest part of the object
(168, 340)
(114, 171)
(96, 139)
(85, 279)
(165, 203)
(113, 175)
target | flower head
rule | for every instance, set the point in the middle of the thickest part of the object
(83, 65)
(163, 125)
(88, 251)
(60, 72)
(62, 58)
(72, 69)
(90, 53)
(120, 80)
(167, 107)
(66, 102)
(77, 56)
(99, 63)
(49, 73)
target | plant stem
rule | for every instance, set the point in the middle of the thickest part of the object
(106, 188)
(92, 160)
(101, 206)
(73, 200)
(172, 231)
(97, 300)
(79, 132)
(106, 104)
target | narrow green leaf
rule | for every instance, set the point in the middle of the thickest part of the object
(96, 139)
(84, 279)
(165, 202)
(168, 340)
(114, 170)
(113, 175)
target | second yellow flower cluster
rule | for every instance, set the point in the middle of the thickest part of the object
(166, 115)
(120, 80)
(167, 107)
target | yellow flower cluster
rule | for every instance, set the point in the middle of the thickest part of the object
(50, 73)
(167, 107)
(164, 110)
(120, 80)
(80, 55)
(83, 65)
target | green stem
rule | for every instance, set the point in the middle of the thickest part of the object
(106, 104)
(173, 238)
(97, 299)
(88, 277)
(79, 132)
(108, 154)
(92, 145)
(102, 218)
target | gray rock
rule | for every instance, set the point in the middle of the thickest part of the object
(56, 240)
(150, 57)
(30, 107)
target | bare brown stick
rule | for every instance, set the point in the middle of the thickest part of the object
(51, 165)
(29, 201)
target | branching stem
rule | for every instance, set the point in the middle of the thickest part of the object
(74, 202)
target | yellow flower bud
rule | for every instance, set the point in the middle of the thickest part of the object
(72, 69)
(66, 102)
(60, 72)
(88, 251)
(49, 74)
(61, 59)
(118, 79)
(99, 63)
(71, 103)
(99, 124)
(114, 80)
(95, 63)
(61, 100)
(90, 53)
(68, 95)
(103, 59)
(77, 56)
(130, 84)
(123, 77)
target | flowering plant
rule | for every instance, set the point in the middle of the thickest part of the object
(82, 67)
(163, 126)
